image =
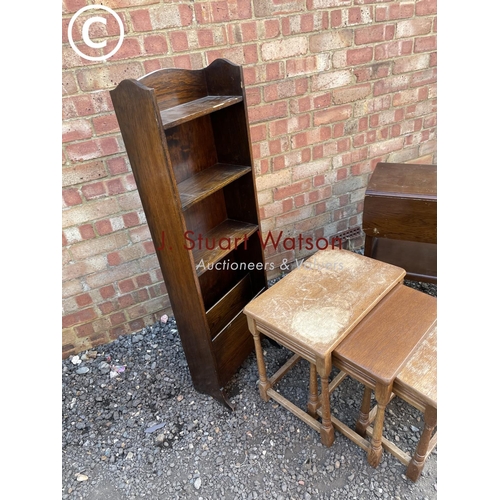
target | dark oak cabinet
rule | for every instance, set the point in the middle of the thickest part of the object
(187, 137)
(400, 218)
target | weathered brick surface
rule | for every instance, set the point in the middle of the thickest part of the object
(333, 87)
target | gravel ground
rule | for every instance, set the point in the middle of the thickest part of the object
(133, 427)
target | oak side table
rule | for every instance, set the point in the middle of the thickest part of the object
(379, 349)
(310, 311)
(416, 384)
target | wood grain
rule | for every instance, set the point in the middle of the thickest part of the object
(194, 109)
(203, 184)
(187, 137)
(378, 349)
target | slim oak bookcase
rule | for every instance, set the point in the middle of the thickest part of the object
(187, 137)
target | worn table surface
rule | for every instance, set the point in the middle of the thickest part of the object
(419, 375)
(380, 346)
(313, 308)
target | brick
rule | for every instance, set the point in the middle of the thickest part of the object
(294, 216)
(87, 231)
(310, 169)
(425, 43)
(426, 7)
(424, 77)
(115, 186)
(112, 275)
(105, 124)
(286, 89)
(94, 190)
(405, 97)
(370, 34)
(107, 292)
(104, 227)
(93, 149)
(348, 185)
(235, 54)
(98, 246)
(107, 77)
(69, 84)
(401, 10)
(129, 3)
(129, 201)
(131, 219)
(83, 300)
(386, 147)
(419, 109)
(117, 318)
(291, 190)
(76, 130)
(392, 84)
(130, 48)
(117, 165)
(331, 79)
(280, 178)
(281, 49)
(410, 63)
(324, 4)
(391, 50)
(310, 137)
(71, 6)
(271, 210)
(241, 9)
(350, 94)
(336, 113)
(71, 197)
(413, 27)
(155, 44)
(305, 23)
(267, 112)
(81, 316)
(167, 16)
(250, 53)
(313, 222)
(271, 8)
(359, 56)
(332, 40)
(307, 65)
(90, 211)
(274, 71)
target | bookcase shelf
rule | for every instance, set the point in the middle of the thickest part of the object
(203, 184)
(186, 135)
(182, 113)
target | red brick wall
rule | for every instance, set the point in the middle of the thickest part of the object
(333, 87)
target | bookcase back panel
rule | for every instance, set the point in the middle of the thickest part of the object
(217, 282)
(206, 214)
(240, 200)
(176, 86)
(231, 135)
(191, 147)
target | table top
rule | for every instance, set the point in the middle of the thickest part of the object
(419, 376)
(403, 179)
(317, 304)
(387, 337)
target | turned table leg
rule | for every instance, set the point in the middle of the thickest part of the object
(264, 383)
(324, 368)
(364, 414)
(313, 402)
(382, 396)
(416, 465)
